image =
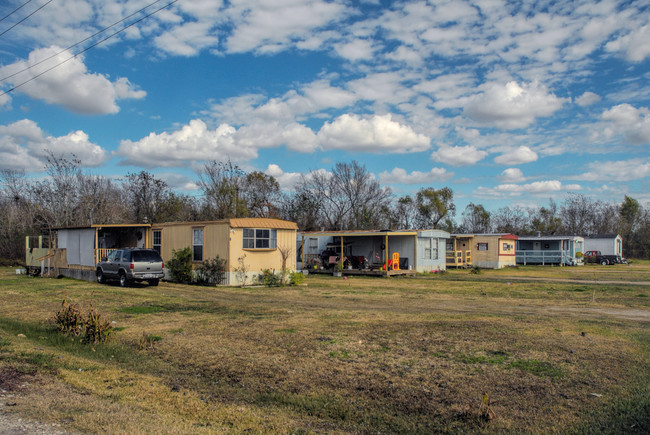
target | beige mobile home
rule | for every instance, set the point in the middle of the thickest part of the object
(488, 251)
(254, 243)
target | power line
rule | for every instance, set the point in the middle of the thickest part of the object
(87, 48)
(47, 3)
(15, 10)
(78, 43)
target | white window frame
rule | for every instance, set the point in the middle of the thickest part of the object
(195, 245)
(256, 239)
(156, 246)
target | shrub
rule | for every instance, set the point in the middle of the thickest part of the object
(211, 271)
(475, 270)
(269, 278)
(296, 278)
(180, 266)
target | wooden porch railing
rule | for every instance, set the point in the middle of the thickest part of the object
(458, 258)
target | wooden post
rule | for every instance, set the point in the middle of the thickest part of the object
(386, 254)
(96, 245)
(341, 256)
(415, 251)
(302, 238)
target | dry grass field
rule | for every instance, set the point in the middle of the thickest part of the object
(554, 349)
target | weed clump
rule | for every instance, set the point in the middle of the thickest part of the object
(70, 321)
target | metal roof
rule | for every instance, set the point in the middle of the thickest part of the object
(358, 233)
(528, 238)
(87, 227)
(263, 223)
(238, 223)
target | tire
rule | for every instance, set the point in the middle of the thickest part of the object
(101, 279)
(604, 262)
(153, 282)
(124, 281)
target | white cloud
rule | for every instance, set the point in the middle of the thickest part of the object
(194, 142)
(359, 49)
(295, 136)
(458, 155)
(375, 134)
(23, 145)
(287, 180)
(623, 170)
(512, 175)
(635, 45)
(535, 188)
(309, 100)
(69, 85)
(632, 122)
(178, 181)
(187, 39)
(512, 106)
(401, 176)
(523, 154)
(587, 99)
(272, 26)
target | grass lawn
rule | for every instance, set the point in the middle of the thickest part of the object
(356, 355)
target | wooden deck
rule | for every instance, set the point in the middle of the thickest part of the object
(365, 272)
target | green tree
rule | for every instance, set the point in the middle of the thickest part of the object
(434, 206)
(545, 220)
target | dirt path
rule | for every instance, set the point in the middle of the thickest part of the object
(571, 280)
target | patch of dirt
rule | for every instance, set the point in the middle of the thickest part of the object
(12, 379)
(12, 383)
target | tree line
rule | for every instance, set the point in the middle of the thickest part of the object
(348, 197)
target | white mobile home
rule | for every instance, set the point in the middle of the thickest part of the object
(607, 244)
(388, 252)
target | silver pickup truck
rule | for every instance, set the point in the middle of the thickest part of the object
(131, 264)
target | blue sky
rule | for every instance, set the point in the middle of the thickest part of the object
(507, 103)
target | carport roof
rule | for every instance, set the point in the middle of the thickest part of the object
(359, 233)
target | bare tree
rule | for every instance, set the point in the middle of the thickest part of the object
(262, 194)
(510, 220)
(405, 213)
(100, 201)
(577, 214)
(364, 196)
(285, 253)
(476, 219)
(222, 184)
(57, 196)
(146, 196)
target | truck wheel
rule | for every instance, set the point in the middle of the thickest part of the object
(604, 262)
(153, 282)
(101, 279)
(124, 282)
